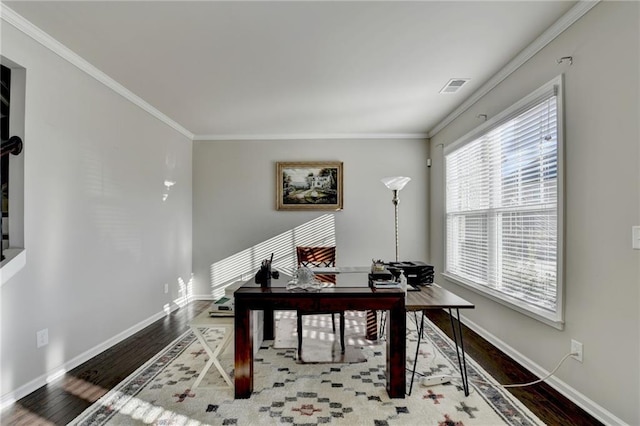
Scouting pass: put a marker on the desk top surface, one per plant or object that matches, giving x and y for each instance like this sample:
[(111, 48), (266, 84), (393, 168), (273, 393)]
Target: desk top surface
[(355, 282), (433, 296), (355, 279)]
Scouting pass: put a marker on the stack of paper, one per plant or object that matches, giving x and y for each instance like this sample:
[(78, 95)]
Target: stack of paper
[(222, 307), (385, 284)]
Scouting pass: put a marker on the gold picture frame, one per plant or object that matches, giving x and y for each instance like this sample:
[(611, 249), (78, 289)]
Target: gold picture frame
[(309, 185)]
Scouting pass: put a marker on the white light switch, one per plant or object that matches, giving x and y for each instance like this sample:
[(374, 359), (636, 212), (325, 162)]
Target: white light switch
[(635, 232)]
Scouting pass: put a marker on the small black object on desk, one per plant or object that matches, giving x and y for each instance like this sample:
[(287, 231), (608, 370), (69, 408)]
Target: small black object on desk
[(264, 274)]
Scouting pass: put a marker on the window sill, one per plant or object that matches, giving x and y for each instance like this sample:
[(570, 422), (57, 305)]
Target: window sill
[(538, 314), (15, 260)]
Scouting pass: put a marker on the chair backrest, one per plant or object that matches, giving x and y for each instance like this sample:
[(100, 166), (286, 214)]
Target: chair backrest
[(318, 256)]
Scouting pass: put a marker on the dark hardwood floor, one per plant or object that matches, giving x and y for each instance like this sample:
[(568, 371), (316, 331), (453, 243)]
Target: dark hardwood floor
[(544, 401), (61, 401)]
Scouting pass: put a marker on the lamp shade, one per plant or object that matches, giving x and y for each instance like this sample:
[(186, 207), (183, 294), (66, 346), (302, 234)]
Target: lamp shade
[(395, 182)]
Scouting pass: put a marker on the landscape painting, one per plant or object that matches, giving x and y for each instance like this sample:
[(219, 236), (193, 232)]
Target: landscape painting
[(309, 185)]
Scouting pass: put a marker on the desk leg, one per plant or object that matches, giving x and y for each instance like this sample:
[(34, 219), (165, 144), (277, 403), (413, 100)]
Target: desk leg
[(269, 325), (396, 351), (420, 329), (462, 362), (243, 373)]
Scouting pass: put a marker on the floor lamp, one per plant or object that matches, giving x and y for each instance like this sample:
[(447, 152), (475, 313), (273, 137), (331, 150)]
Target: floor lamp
[(396, 183)]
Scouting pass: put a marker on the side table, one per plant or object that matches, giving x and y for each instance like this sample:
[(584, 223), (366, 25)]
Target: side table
[(206, 321)]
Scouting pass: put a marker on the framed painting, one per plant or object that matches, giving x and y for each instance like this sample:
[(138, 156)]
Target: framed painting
[(309, 185)]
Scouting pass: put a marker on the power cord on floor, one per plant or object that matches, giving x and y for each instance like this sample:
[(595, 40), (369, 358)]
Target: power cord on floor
[(514, 385), (545, 377)]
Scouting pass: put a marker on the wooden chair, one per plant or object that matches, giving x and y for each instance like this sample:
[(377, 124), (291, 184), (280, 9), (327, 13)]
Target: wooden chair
[(319, 257)]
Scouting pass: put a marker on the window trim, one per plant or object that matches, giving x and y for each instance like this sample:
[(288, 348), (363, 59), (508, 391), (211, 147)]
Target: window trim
[(554, 319), (15, 260)]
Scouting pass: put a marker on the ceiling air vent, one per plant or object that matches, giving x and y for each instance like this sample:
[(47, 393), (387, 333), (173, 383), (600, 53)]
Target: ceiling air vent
[(453, 85)]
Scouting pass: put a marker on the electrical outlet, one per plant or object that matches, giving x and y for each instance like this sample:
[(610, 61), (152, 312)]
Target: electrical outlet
[(635, 237), (42, 338), (166, 288), (576, 350)]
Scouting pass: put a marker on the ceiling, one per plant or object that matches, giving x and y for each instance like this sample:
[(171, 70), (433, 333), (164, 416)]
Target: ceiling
[(265, 69)]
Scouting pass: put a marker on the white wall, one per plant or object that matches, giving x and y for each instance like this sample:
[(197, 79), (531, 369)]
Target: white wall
[(602, 199), (100, 241), (234, 207)]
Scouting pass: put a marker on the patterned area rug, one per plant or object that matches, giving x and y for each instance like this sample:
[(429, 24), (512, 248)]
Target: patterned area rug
[(287, 392)]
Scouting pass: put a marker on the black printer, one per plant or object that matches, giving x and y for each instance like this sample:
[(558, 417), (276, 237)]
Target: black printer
[(417, 272)]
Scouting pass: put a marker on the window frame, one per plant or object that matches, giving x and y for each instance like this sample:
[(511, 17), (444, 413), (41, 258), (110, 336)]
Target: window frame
[(554, 319)]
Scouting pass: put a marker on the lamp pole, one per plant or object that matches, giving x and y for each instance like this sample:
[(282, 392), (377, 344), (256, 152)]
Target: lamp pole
[(396, 201), (396, 183)]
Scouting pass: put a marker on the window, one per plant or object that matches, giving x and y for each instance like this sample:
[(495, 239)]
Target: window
[(12, 108), (503, 207)]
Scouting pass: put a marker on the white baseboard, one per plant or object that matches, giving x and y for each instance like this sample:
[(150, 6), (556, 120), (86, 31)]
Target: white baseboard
[(576, 397), (11, 397)]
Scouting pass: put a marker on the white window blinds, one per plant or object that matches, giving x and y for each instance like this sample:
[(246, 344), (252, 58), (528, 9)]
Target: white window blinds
[(502, 206)]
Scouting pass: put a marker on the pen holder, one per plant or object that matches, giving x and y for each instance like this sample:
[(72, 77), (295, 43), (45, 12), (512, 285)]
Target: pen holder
[(263, 276)]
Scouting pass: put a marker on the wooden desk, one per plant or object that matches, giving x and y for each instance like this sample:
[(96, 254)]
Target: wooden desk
[(435, 297), (350, 293)]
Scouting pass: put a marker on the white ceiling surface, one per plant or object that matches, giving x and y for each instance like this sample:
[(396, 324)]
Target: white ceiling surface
[(240, 69)]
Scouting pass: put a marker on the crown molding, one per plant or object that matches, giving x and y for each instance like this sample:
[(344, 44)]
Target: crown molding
[(270, 137), (20, 23), (11, 17), (558, 27)]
